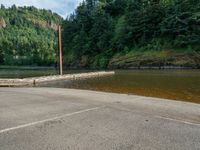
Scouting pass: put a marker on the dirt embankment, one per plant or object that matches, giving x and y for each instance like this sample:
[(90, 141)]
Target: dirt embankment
[(153, 59)]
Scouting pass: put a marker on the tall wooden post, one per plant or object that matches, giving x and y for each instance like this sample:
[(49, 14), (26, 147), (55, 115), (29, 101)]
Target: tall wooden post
[(60, 50)]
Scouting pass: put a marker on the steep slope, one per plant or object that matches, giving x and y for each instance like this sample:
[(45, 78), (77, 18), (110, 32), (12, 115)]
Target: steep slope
[(28, 36), (133, 33)]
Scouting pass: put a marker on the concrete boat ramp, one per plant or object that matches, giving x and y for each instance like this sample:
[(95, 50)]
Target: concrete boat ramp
[(36, 80), (68, 119)]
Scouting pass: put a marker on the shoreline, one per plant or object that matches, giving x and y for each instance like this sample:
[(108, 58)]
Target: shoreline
[(158, 68), (96, 69)]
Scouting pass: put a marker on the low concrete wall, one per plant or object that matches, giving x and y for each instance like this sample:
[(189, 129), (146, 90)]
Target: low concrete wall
[(35, 80)]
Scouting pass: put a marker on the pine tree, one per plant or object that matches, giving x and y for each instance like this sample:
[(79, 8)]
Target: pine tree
[(91, 3)]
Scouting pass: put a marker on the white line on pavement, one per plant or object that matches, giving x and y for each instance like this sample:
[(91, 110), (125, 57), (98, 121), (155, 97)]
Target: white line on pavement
[(50, 119), (160, 117), (178, 120)]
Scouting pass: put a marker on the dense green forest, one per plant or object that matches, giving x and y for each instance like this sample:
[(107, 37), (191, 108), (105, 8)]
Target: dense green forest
[(104, 34), (28, 36), (132, 33)]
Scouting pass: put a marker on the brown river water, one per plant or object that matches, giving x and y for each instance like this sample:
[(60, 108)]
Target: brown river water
[(183, 85)]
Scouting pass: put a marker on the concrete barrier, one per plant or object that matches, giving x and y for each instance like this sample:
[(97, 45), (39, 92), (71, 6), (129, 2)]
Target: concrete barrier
[(33, 81)]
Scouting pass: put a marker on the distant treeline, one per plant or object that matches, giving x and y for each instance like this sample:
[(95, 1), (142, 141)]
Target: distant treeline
[(27, 36), (105, 33)]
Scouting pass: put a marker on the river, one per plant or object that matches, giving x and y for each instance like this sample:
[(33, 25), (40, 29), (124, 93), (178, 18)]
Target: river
[(181, 85)]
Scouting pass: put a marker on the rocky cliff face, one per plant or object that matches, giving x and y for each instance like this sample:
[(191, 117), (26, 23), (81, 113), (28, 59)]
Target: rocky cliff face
[(2, 23), (44, 23)]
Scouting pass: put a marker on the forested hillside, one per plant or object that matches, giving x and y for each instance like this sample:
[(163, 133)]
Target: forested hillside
[(104, 33), (133, 33), (28, 36)]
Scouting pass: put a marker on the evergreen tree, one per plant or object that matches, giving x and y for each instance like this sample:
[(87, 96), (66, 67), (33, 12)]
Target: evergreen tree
[(100, 29), (28, 38)]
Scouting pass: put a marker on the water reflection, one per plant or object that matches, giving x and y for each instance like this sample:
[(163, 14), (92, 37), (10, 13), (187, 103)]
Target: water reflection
[(172, 84)]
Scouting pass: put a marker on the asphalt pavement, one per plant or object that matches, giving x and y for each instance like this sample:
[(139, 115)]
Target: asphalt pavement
[(68, 119)]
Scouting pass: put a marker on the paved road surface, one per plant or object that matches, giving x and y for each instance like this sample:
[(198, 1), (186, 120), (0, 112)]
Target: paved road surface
[(66, 119)]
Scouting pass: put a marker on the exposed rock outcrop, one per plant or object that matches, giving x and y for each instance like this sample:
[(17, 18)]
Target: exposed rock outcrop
[(44, 23), (2, 23)]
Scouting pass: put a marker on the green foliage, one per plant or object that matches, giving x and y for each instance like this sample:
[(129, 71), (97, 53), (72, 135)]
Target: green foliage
[(155, 44), (98, 30), (29, 37), (122, 26), (182, 23)]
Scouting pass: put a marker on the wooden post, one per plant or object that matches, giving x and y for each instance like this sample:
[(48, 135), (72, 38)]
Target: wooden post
[(60, 50)]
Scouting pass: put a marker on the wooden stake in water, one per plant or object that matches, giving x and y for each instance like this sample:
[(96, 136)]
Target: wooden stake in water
[(60, 49)]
